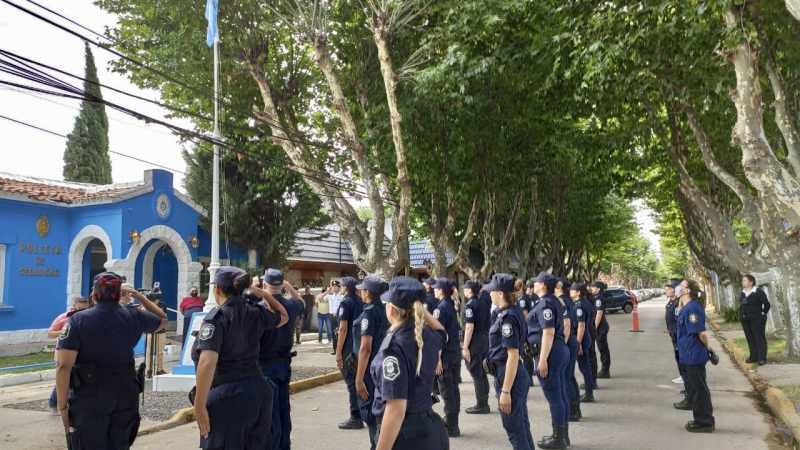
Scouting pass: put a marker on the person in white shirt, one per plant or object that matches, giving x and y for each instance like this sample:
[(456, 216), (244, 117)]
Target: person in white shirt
[(334, 298)]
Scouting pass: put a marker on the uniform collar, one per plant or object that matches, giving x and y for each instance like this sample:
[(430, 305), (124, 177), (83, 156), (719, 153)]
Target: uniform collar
[(232, 301), (751, 291), (108, 305)]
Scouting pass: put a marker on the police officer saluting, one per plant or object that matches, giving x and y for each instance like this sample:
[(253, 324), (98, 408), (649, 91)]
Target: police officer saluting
[(445, 313), (350, 308), (403, 372), (96, 383), (600, 322), (233, 400), (506, 338), (369, 329), (275, 356), (476, 345), (550, 356)]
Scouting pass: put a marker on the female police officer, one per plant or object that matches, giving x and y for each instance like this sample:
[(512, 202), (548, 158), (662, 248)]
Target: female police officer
[(233, 400), (476, 345), (571, 330), (403, 372), (95, 368), (368, 332), (694, 351), (583, 316), (506, 337), (551, 355), (450, 361)]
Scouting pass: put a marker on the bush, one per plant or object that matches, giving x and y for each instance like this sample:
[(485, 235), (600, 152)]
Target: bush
[(730, 314)]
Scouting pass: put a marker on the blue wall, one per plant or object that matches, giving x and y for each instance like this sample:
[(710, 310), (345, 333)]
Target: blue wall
[(165, 271)]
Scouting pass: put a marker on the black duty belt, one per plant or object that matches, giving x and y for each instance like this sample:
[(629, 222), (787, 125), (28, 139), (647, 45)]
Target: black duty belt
[(250, 372), (428, 413), (89, 374), (557, 342), (271, 359)]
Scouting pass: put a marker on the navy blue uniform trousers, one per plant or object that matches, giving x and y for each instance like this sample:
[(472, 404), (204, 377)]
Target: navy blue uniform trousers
[(240, 414), (554, 386), (573, 389), (423, 431), (366, 410), (448, 382), (687, 384), (280, 373), (517, 424), (105, 416), (583, 362), (352, 395)]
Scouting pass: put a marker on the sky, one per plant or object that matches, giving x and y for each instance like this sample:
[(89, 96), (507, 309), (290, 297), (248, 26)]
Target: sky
[(35, 153)]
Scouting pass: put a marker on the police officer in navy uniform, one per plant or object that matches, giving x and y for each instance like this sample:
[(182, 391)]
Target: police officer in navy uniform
[(476, 345), (694, 351), (96, 384), (600, 322), (550, 356), (430, 297), (449, 363), (526, 302), (506, 338), (404, 370), (673, 289), (583, 316), (349, 310), (275, 356), (571, 330), (233, 400), (369, 329)]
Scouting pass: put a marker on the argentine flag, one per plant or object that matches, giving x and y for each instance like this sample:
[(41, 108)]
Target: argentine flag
[(211, 16)]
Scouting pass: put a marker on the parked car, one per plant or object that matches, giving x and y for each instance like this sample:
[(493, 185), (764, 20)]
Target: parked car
[(617, 298)]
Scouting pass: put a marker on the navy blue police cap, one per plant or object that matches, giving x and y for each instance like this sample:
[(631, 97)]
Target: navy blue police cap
[(430, 281), (599, 284), (226, 275), (444, 284), (372, 284), (273, 277), (403, 292), (350, 283), (530, 283), (673, 283), (578, 287), (500, 282), (565, 284), (103, 284), (547, 279), (473, 285)]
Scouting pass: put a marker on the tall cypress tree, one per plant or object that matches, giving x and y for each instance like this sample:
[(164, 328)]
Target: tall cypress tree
[(86, 157)]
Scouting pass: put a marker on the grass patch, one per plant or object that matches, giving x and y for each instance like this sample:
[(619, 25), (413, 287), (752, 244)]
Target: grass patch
[(23, 360), (729, 326), (792, 391), (775, 350)]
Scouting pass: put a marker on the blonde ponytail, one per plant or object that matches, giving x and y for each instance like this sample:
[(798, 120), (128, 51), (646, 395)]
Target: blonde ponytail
[(419, 321)]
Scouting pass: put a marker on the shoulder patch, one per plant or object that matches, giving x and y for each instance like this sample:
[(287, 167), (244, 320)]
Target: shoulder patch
[(693, 318), (468, 312), (391, 368), (507, 330), (341, 311), (579, 312), (436, 313), (364, 324), (65, 332), (547, 314), (522, 304), (206, 331), (598, 303)]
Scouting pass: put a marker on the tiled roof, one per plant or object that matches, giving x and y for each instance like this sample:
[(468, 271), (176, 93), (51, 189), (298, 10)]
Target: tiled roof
[(41, 189), (422, 250), (324, 245)]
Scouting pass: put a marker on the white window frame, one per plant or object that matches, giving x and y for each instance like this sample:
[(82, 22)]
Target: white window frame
[(2, 270)]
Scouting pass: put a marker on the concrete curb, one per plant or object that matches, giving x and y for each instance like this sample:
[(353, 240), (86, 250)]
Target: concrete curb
[(780, 405), (186, 415)]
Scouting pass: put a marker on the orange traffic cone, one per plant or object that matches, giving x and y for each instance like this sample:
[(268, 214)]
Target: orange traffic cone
[(636, 320)]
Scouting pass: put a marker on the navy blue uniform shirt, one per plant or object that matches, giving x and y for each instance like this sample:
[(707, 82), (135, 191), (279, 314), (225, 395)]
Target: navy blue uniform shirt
[(692, 320), (107, 333), (589, 307), (547, 313), (569, 313), (508, 331), (430, 301), (477, 313), (600, 305), (445, 313), (671, 315), (524, 302), (394, 369), (277, 343), (371, 322), (583, 313), (229, 330), (349, 310)]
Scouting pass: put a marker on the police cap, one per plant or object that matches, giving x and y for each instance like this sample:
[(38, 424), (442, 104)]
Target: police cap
[(273, 277), (226, 275), (578, 287), (599, 284), (500, 282), (473, 285), (430, 281), (350, 283), (403, 292), (547, 279), (372, 284), (444, 284)]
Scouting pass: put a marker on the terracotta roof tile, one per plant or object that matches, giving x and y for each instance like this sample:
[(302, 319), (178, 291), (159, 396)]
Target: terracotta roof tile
[(62, 192)]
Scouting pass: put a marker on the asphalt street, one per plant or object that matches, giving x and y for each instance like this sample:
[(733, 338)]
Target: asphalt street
[(633, 409)]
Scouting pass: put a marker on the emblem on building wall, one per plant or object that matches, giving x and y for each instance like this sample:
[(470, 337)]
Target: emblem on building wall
[(43, 226)]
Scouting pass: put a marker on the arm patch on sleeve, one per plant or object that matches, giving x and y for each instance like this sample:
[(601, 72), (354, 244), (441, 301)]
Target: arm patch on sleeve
[(391, 368)]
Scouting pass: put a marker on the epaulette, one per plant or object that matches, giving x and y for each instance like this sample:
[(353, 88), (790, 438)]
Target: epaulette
[(71, 313), (211, 314), (502, 314)]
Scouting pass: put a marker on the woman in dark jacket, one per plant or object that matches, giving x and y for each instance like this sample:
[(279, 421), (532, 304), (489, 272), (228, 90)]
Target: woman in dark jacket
[(753, 309)]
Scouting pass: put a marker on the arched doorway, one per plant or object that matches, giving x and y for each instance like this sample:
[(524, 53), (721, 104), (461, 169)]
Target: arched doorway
[(85, 254), (159, 264), (94, 260)]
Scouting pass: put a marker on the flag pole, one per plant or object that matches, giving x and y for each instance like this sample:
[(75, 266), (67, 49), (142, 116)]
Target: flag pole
[(211, 302)]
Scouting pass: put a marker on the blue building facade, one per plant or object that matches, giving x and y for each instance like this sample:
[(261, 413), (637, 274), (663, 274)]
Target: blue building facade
[(55, 236)]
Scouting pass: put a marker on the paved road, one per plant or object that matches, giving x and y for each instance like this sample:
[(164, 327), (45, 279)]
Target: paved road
[(633, 409)]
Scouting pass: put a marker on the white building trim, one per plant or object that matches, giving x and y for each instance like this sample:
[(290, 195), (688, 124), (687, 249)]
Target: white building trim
[(76, 251)]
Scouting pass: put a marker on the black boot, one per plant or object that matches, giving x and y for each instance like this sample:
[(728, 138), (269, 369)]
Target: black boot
[(451, 420), (481, 408), (556, 441), (566, 433), (684, 405), (353, 423), (580, 413), (573, 412), (588, 397)]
